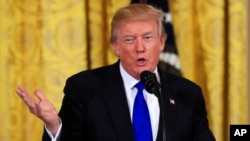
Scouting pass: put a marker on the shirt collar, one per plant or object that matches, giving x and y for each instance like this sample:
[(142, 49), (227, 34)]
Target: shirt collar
[(130, 81)]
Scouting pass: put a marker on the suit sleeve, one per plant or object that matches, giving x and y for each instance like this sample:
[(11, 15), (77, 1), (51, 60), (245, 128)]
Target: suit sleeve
[(71, 114), (201, 129)]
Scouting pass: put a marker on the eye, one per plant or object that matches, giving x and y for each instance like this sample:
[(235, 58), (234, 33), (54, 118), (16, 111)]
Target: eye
[(148, 37), (129, 40)]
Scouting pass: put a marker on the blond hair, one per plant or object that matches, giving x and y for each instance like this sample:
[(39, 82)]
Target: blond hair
[(136, 12)]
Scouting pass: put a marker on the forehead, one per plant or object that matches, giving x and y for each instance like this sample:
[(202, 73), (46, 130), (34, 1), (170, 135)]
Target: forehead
[(138, 26)]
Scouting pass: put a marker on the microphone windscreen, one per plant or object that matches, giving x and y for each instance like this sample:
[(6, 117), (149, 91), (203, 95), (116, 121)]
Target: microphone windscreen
[(147, 78)]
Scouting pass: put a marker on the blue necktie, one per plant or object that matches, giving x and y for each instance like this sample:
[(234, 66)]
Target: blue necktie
[(141, 118)]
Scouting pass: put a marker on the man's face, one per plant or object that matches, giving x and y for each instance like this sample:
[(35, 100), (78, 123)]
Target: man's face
[(138, 46)]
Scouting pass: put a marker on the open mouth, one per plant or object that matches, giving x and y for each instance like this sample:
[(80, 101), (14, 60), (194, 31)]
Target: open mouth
[(141, 61)]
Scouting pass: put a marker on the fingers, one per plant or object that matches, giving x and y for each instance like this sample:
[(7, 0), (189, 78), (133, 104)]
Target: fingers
[(21, 91), (40, 95), (27, 99), (37, 109), (24, 95)]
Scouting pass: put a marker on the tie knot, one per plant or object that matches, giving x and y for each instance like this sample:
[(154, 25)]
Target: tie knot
[(139, 86)]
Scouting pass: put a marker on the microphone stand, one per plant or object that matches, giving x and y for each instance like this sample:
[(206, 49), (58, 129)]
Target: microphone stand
[(156, 91), (152, 86)]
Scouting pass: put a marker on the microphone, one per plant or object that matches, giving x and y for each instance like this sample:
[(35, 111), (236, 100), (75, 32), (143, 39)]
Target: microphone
[(152, 86), (150, 82)]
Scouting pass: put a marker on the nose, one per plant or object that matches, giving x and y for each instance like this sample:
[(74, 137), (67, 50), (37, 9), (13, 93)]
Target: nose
[(140, 47)]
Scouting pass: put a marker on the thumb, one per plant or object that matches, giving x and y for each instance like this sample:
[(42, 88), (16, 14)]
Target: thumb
[(40, 95)]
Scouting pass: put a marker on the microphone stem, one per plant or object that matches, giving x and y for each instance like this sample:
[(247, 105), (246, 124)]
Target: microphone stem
[(152, 86), (162, 112)]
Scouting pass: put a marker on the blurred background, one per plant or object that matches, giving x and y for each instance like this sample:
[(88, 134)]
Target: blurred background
[(43, 42)]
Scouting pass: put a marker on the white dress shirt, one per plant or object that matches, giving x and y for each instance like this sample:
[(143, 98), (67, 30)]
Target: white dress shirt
[(151, 100)]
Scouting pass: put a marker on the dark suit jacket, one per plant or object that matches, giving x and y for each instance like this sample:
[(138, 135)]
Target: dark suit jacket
[(95, 108)]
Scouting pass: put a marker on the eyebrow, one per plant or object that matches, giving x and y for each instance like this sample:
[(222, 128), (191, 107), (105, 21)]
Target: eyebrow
[(150, 32), (130, 35)]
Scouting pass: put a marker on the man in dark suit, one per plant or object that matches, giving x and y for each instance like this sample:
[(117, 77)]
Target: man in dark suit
[(98, 104)]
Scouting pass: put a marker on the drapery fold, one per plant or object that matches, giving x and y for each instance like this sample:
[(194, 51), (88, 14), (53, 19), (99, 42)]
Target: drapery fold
[(44, 42), (211, 41)]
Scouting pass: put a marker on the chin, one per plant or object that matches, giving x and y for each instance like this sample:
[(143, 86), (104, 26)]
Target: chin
[(143, 69)]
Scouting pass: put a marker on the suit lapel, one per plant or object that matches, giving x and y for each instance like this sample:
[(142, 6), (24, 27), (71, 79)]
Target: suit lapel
[(115, 98), (170, 107)]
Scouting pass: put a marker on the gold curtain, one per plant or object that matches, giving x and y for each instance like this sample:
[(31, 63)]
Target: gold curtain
[(44, 42), (41, 44), (211, 41)]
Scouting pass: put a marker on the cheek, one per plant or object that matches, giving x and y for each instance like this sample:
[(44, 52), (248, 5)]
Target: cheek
[(157, 47), (125, 51)]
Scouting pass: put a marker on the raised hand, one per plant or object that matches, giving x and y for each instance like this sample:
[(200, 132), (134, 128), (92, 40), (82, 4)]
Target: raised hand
[(41, 108)]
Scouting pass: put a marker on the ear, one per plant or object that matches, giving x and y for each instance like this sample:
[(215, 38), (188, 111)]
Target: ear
[(163, 40), (116, 49)]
